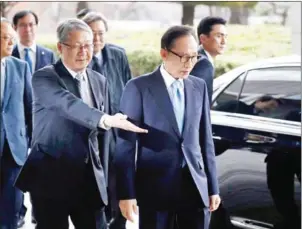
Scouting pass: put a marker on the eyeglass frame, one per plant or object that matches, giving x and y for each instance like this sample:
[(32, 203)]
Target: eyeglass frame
[(9, 38), (181, 57), (30, 25), (78, 47)]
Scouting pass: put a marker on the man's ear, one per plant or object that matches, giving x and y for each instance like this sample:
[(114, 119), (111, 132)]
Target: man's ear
[(59, 47), (163, 54), (202, 38)]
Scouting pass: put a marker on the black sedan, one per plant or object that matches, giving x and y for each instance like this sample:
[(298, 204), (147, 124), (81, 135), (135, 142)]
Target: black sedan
[(256, 120)]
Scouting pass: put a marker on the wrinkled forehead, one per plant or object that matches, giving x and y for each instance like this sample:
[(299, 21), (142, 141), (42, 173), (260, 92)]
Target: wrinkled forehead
[(79, 36), (185, 45)]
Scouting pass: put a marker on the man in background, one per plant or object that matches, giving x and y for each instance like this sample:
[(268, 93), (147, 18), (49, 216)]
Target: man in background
[(212, 36), (111, 62), (16, 125)]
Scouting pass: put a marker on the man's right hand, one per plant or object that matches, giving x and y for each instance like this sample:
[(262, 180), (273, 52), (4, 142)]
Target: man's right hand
[(120, 121), (127, 208)]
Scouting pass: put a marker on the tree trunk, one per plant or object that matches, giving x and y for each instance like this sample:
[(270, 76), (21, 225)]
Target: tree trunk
[(211, 10), (187, 14), (239, 15), (81, 5)]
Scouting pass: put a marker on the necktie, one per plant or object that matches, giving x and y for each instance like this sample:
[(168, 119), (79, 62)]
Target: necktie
[(82, 85), (97, 65), (178, 104), (28, 59)]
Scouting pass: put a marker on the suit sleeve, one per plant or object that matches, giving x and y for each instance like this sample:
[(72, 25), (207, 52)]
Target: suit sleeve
[(51, 95), (124, 158), (27, 97), (204, 70), (126, 68), (207, 145)]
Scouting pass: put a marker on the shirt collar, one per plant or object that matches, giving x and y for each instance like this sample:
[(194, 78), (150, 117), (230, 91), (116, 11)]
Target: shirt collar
[(209, 57), (3, 61), (21, 47), (169, 80), (74, 74)]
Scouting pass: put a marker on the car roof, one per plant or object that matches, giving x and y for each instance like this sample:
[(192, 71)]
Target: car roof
[(292, 60)]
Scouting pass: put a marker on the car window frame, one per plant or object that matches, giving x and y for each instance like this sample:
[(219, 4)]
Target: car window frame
[(265, 119)]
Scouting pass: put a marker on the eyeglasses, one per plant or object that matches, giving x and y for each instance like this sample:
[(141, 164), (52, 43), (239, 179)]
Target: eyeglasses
[(78, 47), (185, 58), (30, 25), (8, 38)]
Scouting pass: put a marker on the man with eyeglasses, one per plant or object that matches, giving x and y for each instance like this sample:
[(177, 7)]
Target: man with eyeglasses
[(15, 125), (111, 62), (66, 171), (212, 37), (25, 23), (170, 172)]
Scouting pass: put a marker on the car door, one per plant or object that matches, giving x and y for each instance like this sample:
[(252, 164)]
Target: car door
[(256, 124)]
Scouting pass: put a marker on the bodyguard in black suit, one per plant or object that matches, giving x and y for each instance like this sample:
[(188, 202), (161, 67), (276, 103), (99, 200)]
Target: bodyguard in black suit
[(212, 39), (66, 171), (111, 61)]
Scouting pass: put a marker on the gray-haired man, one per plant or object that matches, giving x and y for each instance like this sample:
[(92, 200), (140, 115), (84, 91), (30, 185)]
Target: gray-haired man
[(65, 171)]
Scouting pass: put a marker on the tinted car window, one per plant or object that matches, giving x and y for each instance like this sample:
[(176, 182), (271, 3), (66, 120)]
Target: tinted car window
[(271, 92), (226, 101)]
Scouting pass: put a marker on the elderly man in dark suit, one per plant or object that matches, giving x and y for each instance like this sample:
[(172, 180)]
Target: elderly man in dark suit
[(15, 127), (66, 171), (171, 171), (111, 61), (212, 36), (25, 23)]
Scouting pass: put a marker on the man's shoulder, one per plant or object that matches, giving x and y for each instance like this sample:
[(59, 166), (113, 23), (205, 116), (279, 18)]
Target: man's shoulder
[(15, 61), (204, 61), (143, 81), (116, 47), (45, 49)]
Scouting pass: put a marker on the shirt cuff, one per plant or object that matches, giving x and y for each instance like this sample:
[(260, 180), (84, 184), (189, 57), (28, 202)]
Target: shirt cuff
[(102, 122)]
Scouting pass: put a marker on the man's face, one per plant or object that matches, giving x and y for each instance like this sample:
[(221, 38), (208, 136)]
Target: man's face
[(181, 58), (76, 52), (267, 106), (215, 42), (8, 37), (99, 35), (26, 29)]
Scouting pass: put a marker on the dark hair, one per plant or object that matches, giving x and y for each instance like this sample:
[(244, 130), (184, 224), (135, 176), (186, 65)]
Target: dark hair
[(22, 14), (267, 98), (83, 13), (175, 32), (206, 24)]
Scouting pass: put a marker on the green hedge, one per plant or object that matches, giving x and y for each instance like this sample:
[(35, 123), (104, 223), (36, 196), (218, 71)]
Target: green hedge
[(245, 44)]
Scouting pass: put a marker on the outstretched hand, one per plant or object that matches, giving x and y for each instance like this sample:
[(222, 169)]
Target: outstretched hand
[(120, 121)]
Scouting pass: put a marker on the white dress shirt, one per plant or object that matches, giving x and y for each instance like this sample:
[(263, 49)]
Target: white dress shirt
[(32, 54), (90, 100), (169, 80)]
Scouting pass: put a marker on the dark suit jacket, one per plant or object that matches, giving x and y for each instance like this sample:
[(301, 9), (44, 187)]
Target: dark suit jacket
[(116, 69), (204, 69), (16, 109), (64, 135), (44, 56), (157, 177)]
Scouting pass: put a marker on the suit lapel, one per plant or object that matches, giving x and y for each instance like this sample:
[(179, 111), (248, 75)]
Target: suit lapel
[(189, 101), (38, 58), (66, 79), (161, 96), (93, 83), (10, 79)]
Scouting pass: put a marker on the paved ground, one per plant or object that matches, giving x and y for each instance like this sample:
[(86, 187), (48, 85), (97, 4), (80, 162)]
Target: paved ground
[(29, 225)]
